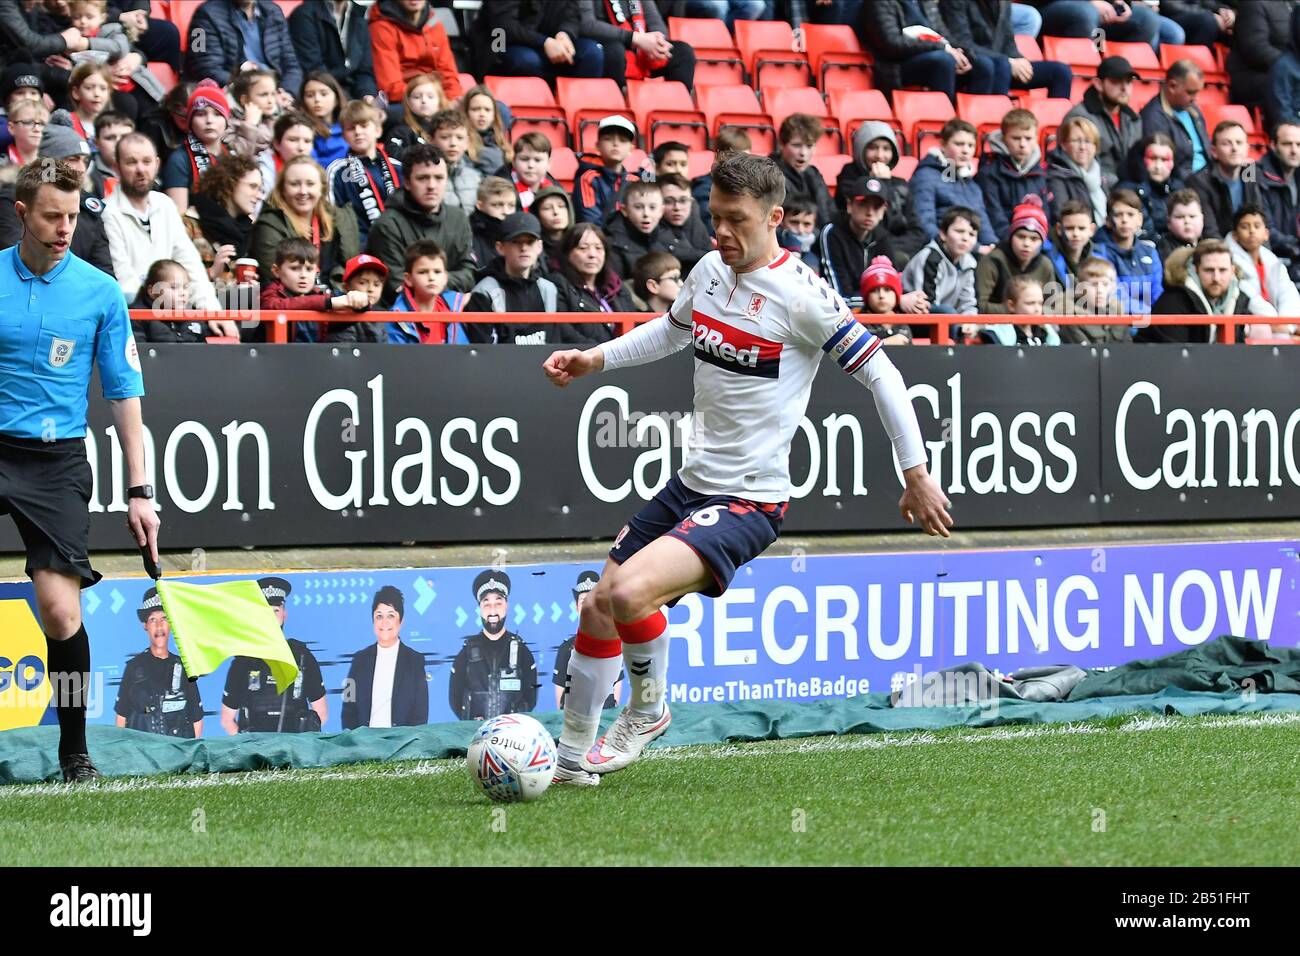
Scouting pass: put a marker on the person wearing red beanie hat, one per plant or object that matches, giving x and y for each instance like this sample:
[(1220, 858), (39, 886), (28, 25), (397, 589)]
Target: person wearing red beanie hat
[(1019, 254), (879, 279), (208, 115)]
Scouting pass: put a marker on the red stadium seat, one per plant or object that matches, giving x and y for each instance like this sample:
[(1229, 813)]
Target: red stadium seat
[(1212, 95), (767, 47), (1028, 47), (1202, 56), (921, 112), (1078, 52), (288, 6), (180, 12), (564, 166), (829, 165), (520, 90), (737, 106), (1216, 114), (699, 164), (665, 112), (533, 106), (467, 82), (782, 101), (1050, 113), (587, 102), (983, 112), (717, 61), (837, 59), (905, 166), (1140, 56), (855, 107), (1143, 92), (165, 74)]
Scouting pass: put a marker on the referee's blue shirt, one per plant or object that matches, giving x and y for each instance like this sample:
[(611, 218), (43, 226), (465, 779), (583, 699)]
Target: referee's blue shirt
[(52, 329)]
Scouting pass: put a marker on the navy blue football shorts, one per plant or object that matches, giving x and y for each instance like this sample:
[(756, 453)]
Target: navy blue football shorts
[(725, 531)]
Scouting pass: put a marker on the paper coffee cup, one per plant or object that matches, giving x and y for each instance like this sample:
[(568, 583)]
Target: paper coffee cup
[(245, 270)]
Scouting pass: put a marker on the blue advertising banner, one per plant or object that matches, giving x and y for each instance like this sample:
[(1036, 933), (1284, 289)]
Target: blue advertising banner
[(796, 628)]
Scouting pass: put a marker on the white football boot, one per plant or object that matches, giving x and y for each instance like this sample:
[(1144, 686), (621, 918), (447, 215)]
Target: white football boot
[(574, 776), (626, 738)]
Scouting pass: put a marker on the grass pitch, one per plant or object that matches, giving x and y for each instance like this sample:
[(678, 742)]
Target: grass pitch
[(1152, 791)]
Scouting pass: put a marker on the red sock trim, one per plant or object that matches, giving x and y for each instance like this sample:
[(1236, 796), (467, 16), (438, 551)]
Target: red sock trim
[(644, 630), (597, 647)]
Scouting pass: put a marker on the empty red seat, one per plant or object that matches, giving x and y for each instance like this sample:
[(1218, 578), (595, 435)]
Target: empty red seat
[(737, 106), (920, 113), (905, 166), (564, 166), (701, 32), (587, 102), (520, 90), (829, 165), (664, 112), (855, 107), (699, 164), (983, 112), (1078, 52), (467, 82), (1202, 56), (768, 49), (836, 57), (1028, 47), (1050, 112), (1140, 56), (533, 106), (717, 61)]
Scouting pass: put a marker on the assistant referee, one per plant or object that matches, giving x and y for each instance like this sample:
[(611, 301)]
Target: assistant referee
[(60, 317)]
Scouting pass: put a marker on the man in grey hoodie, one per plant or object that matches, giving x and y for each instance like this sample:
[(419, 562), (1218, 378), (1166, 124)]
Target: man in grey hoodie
[(875, 154)]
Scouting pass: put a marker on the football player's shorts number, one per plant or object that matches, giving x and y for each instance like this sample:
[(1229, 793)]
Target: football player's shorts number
[(707, 516)]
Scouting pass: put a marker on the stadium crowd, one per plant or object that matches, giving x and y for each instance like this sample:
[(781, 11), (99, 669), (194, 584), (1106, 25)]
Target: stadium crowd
[(354, 157)]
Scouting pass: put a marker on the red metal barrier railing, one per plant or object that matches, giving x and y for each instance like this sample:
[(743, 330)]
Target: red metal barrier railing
[(279, 325)]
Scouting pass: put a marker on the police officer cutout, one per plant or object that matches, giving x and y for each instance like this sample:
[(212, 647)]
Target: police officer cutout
[(494, 673), (59, 318), (156, 695), (252, 702), (586, 583)]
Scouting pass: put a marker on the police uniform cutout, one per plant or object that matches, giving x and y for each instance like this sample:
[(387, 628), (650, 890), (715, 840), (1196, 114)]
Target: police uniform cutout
[(586, 583), (156, 695), (492, 675)]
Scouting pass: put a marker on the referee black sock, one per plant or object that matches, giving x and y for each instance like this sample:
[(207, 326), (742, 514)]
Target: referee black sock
[(69, 666)]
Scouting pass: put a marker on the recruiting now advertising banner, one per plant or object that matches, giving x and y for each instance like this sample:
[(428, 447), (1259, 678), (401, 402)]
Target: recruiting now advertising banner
[(793, 628)]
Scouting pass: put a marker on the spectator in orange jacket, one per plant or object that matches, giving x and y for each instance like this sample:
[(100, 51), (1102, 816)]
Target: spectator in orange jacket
[(407, 40)]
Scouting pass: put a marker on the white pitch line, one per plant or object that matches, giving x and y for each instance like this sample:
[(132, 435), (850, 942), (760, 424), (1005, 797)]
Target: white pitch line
[(1140, 723)]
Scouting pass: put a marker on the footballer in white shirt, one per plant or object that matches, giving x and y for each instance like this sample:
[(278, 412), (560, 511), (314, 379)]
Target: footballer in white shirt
[(759, 322)]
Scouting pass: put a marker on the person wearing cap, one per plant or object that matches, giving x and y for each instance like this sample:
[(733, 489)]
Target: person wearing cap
[(494, 672), (541, 38), (253, 703), (417, 211), (1106, 104), (208, 116), (598, 187), (18, 82), (156, 695), (1019, 254), (386, 685), (89, 241), (882, 291), (875, 154), (513, 283), (365, 273), (587, 582), (848, 244), (238, 32)]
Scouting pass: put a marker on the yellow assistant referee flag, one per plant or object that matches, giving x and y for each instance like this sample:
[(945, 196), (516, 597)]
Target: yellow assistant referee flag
[(213, 622)]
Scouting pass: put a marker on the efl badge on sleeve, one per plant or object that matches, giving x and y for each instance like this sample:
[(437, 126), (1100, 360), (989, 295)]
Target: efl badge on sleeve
[(755, 304), (61, 352)]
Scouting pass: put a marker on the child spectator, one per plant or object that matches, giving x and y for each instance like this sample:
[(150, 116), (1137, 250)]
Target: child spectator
[(597, 190), (1094, 294), (1073, 171), (798, 229), (489, 146), (253, 118), (322, 103), (657, 280), (854, 238), (1024, 298), (423, 101), (1020, 254), (554, 210), (944, 178), (209, 120), (451, 135), (1074, 231), (297, 286), (113, 44), (365, 178), (511, 284), (882, 293), (671, 159), (1186, 224), (89, 89), (944, 269), (1266, 276), (875, 154), (799, 135), (293, 135), (27, 122), (682, 231), (110, 126), (496, 199), (590, 285), (366, 274), (407, 40), (166, 291), (1154, 182), (1136, 261), (1012, 168), (529, 168), (424, 289), (634, 231)]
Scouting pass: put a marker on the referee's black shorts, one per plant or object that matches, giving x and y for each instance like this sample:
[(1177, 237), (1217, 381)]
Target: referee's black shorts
[(46, 487)]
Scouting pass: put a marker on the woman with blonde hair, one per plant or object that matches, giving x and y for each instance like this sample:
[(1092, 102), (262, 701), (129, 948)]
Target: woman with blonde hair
[(1074, 172), (299, 206)]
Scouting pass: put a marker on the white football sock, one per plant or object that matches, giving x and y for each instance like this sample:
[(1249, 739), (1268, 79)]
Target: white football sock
[(590, 681)]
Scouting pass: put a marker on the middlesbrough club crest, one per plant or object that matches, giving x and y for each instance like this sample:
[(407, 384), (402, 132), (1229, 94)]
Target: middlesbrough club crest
[(755, 304)]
